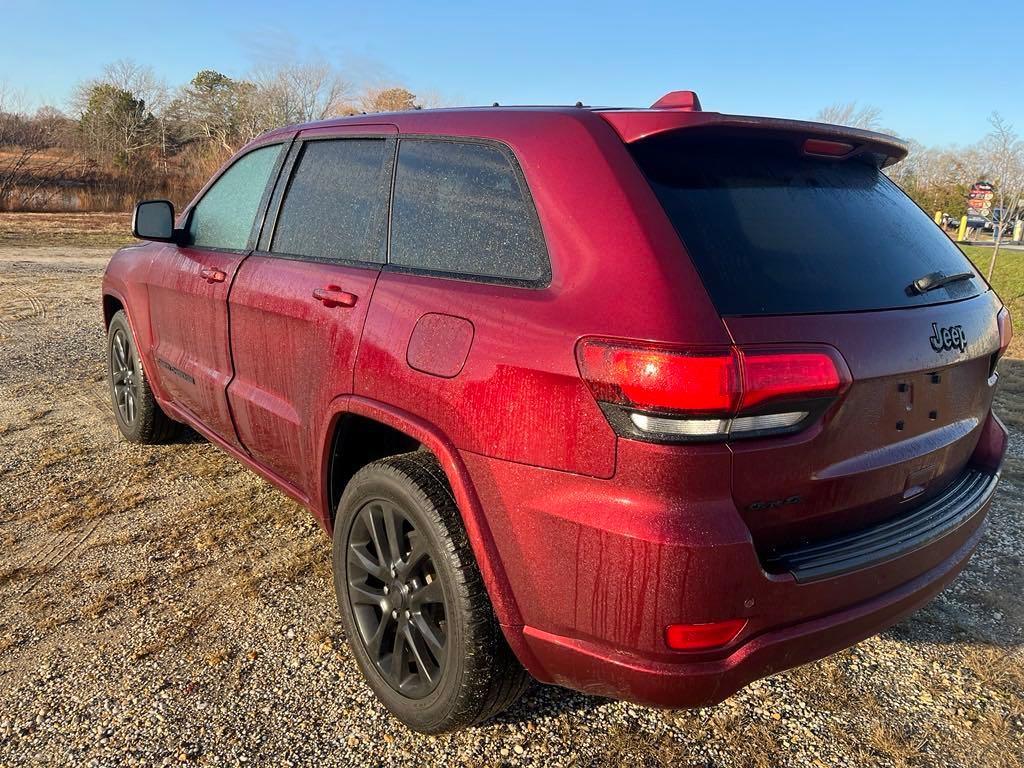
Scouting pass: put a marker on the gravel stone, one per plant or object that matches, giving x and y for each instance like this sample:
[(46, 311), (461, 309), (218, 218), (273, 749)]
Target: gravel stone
[(164, 606)]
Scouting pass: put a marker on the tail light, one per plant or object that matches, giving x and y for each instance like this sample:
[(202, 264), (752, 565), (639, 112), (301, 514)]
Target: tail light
[(667, 394), (1005, 332)]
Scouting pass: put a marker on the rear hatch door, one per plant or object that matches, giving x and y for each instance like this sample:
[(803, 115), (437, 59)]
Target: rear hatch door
[(797, 248)]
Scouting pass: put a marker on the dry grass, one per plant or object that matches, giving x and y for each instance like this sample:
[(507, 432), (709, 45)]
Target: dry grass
[(72, 229), (903, 746), (12, 574), (997, 668)]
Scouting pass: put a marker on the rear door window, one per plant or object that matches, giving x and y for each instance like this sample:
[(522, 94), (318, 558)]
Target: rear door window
[(774, 232), (462, 208), (335, 204)]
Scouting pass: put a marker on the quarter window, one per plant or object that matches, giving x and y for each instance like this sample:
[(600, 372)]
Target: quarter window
[(224, 217), (336, 201), (461, 208)]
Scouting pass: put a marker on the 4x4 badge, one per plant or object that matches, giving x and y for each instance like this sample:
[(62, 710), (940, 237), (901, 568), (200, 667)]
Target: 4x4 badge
[(948, 338)]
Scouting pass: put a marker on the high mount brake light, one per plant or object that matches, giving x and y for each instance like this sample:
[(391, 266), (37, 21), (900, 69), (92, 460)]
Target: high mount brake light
[(825, 148), (664, 394)]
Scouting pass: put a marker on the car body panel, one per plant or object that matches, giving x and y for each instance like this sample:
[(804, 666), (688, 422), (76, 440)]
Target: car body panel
[(292, 356), (909, 422), (189, 319)]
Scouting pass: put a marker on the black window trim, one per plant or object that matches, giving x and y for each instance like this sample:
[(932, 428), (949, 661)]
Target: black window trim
[(540, 283), (261, 209), (264, 243)]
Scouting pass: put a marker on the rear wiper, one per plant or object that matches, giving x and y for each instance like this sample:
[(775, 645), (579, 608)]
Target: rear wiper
[(935, 280)]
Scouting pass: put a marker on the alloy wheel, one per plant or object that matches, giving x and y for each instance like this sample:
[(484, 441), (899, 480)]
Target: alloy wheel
[(396, 598), (124, 375)]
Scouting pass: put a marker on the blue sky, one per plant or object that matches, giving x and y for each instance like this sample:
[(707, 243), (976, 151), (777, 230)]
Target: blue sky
[(936, 69)]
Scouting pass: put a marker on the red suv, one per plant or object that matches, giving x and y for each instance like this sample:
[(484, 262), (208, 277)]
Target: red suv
[(648, 403)]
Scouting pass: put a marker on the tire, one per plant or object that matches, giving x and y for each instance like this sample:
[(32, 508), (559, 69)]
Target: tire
[(136, 411), (476, 674)]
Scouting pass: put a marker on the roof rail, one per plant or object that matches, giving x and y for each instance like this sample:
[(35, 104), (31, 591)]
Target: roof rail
[(684, 100)]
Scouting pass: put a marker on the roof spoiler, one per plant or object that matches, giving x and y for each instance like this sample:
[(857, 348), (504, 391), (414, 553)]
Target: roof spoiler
[(638, 125), (685, 100)]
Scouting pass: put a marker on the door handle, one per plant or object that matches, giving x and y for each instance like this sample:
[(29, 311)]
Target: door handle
[(333, 296), (211, 275)]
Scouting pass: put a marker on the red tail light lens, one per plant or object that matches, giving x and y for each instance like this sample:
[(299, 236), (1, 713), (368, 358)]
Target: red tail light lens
[(771, 376), (1005, 331), (730, 390), (702, 637), (660, 379)]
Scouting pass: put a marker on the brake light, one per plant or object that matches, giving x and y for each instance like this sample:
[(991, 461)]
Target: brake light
[(663, 393), (827, 148), (655, 378), (702, 637), (1005, 331)]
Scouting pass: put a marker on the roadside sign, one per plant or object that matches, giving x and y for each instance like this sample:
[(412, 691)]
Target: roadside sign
[(979, 199)]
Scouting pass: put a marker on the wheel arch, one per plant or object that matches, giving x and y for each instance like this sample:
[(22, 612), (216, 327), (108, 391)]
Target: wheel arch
[(114, 300), (112, 303), (426, 435)]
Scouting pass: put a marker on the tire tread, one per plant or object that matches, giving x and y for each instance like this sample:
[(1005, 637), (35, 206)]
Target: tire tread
[(152, 426), (493, 677)]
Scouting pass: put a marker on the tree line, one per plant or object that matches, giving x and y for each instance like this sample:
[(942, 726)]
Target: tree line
[(940, 178), (127, 134)]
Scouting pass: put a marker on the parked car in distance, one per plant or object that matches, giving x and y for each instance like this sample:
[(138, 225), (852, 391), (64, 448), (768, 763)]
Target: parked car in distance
[(623, 400)]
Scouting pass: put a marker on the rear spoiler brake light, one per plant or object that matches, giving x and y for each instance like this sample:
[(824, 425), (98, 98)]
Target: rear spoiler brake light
[(637, 125)]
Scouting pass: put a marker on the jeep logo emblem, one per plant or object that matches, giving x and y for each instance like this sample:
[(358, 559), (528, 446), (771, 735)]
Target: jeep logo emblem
[(948, 338)]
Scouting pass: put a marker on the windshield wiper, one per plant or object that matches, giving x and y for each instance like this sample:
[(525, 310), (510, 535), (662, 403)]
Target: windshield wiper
[(935, 280)]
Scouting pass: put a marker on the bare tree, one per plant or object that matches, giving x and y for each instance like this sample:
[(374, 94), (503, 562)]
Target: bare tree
[(939, 178), (140, 81), (849, 114), (15, 163), (433, 99), (907, 171), (1004, 151), (25, 168), (298, 93)]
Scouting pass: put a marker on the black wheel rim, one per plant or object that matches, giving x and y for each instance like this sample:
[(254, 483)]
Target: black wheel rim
[(123, 375), (396, 598)]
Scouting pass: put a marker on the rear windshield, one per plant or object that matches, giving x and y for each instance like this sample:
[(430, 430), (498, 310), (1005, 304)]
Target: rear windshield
[(774, 232)]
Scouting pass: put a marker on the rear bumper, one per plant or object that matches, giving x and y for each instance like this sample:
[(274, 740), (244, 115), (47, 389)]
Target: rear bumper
[(592, 669), (891, 538), (599, 569)]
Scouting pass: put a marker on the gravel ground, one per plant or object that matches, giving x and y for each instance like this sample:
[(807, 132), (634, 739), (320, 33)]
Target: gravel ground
[(165, 606)]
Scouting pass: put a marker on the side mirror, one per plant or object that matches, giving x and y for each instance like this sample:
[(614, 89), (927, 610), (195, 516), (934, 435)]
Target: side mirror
[(154, 220)]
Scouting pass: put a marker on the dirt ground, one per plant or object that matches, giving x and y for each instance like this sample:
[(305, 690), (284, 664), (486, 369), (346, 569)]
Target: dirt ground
[(163, 605)]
